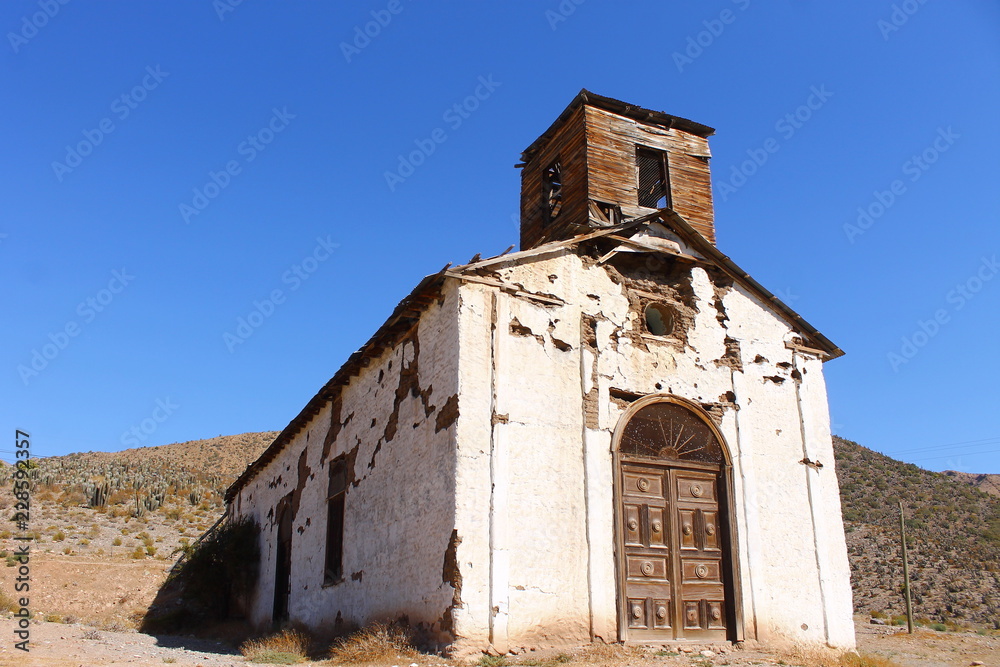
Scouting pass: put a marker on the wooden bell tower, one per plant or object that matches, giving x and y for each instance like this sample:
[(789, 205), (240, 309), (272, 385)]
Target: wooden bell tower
[(603, 161)]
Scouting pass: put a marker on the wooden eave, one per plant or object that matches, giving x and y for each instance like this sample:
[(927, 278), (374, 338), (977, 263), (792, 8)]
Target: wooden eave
[(585, 97), (401, 321)]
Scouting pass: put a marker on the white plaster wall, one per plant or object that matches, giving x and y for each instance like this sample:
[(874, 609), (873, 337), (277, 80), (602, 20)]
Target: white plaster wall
[(525, 475), (534, 492), (399, 513)]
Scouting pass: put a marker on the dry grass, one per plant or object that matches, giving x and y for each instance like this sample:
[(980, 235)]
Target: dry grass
[(866, 660), (7, 603), (376, 643), (285, 648), (828, 658)]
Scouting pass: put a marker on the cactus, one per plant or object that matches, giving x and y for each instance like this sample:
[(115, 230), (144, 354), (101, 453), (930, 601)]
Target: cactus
[(99, 495)]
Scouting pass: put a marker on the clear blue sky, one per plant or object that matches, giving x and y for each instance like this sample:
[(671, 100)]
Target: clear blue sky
[(115, 113)]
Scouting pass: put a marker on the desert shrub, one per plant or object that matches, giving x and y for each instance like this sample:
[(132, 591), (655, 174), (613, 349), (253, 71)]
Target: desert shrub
[(492, 661), (117, 542), (138, 553), (7, 603), (59, 536), (375, 643), (285, 648)]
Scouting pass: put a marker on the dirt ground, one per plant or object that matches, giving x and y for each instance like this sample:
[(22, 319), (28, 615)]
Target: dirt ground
[(73, 645), (85, 608)]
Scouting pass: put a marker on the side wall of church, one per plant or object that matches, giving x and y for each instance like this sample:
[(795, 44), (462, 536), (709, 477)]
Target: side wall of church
[(394, 425)]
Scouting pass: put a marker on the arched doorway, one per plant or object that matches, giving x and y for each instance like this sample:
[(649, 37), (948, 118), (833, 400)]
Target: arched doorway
[(674, 527)]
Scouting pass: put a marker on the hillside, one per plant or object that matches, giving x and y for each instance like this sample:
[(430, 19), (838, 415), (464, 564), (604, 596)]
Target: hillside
[(953, 532), (136, 504), (986, 483)]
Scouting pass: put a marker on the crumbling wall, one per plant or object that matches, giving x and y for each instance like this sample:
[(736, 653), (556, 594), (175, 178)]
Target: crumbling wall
[(543, 387), (394, 425)]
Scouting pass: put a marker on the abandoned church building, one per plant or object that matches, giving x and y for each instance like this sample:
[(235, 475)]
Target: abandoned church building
[(612, 434)]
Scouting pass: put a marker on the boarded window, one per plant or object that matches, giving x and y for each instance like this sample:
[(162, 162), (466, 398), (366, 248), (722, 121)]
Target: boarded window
[(552, 191), (335, 522), (654, 187)]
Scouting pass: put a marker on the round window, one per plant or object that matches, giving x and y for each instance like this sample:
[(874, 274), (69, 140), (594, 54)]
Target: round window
[(659, 319)]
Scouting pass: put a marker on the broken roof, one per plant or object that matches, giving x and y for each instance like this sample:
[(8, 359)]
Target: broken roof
[(620, 108), (408, 311)]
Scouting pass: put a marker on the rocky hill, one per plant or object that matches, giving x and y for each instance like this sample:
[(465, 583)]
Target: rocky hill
[(986, 483), (135, 504), (953, 535)]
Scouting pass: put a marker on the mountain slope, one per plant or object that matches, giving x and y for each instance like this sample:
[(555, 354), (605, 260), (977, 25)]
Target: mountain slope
[(953, 536)]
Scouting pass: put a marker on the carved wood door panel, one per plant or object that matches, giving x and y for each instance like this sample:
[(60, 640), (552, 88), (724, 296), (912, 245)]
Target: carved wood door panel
[(648, 565), (699, 562), (673, 559)]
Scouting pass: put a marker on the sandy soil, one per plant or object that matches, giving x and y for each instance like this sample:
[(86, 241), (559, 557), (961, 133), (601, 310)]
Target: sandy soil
[(73, 645), (85, 610)]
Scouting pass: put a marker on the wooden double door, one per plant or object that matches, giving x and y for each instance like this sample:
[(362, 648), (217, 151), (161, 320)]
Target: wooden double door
[(673, 564)]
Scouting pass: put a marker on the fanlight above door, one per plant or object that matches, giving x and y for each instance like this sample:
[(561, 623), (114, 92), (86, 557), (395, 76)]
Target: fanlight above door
[(666, 430)]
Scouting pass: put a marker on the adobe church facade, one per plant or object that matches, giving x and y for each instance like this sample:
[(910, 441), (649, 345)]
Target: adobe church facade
[(613, 434)]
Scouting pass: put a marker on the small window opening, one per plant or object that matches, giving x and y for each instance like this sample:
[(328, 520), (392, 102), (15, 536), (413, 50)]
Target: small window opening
[(552, 191), (654, 189), (335, 522), (659, 319)]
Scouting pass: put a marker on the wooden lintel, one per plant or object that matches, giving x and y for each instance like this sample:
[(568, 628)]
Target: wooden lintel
[(807, 350)]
